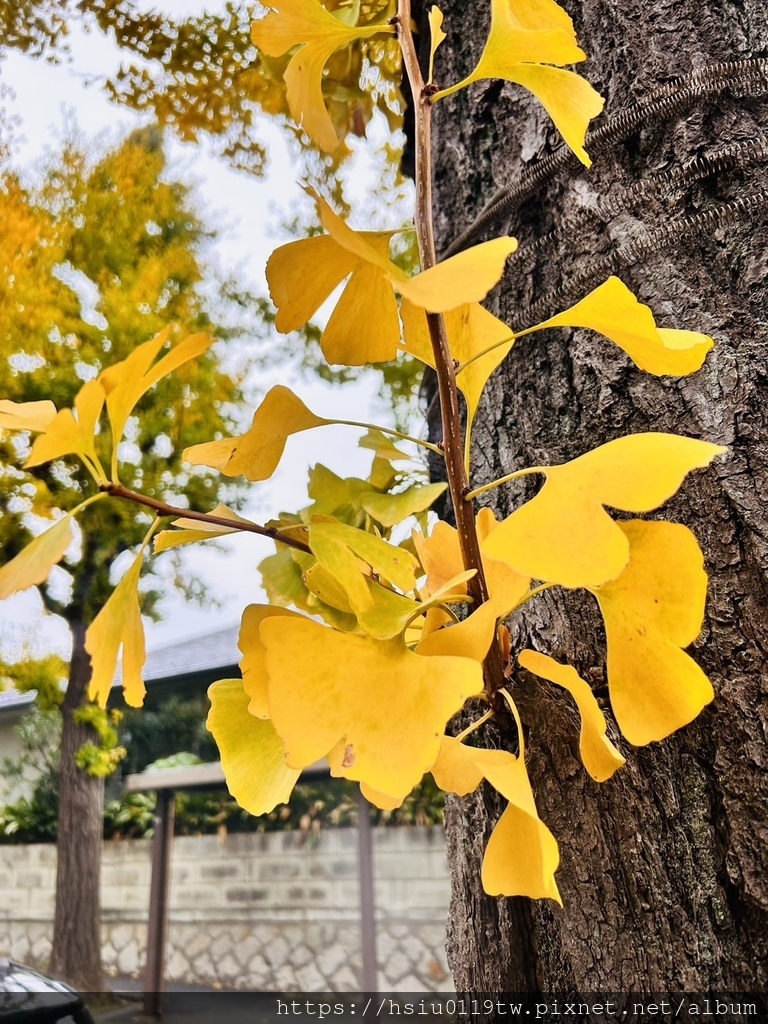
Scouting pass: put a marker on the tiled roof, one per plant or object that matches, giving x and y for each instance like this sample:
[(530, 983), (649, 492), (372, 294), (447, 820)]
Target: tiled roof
[(200, 653), (13, 699), (204, 652)]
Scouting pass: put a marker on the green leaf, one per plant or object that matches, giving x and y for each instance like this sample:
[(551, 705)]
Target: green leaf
[(391, 509)]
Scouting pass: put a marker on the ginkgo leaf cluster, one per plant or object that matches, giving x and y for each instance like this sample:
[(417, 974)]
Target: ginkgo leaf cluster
[(528, 46), (76, 432), (383, 625), (117, 218)]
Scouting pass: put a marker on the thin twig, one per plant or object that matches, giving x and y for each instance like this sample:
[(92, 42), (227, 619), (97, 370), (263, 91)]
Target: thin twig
[(163, 509)]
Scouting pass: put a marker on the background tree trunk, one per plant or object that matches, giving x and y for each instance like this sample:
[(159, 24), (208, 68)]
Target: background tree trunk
[(76, 954), (664, 869)]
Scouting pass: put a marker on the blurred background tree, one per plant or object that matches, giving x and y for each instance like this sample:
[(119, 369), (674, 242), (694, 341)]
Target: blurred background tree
[(201, 77), (98, 255)]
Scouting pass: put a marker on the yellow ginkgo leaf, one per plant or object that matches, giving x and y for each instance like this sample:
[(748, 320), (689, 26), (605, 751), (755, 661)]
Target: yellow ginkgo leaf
[(653, 609), (382, 476), (391, 509), (71, 432), (469, 638), (187, 531), (600, 756), (327, 588), (286, 578), (256, 453), (252, 664), (455, 770), (612, 310), (376, 709), (331, 494), (33, 416), (440, 556), (388, 614), (540, 16), (565, 536), (367, 307), (364, 327), (527, 35), (306, 24), (126, 382), (117, 625), (301, 276), (464, 278), (381, 800), (252, 755), (384, 447), (366, 246), (522, 856), (348, 554), (33, 564), (471, 330), (436, 37), (525, 39), (568, 98), (281, 578)]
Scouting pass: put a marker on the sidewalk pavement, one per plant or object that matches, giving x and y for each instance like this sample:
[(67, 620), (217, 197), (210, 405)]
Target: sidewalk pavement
[(198, 1004)]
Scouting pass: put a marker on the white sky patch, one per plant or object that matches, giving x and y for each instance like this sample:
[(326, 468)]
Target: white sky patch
[(248, 214), (86, 291)]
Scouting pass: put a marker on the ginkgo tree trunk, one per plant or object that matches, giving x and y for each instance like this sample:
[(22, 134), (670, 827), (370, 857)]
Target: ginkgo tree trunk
[(664, 868)]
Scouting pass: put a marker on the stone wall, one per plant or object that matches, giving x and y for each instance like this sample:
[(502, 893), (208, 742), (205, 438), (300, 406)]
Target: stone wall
[(278, 911)]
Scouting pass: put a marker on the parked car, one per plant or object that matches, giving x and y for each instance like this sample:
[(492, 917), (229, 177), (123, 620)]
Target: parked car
[(27, 997)]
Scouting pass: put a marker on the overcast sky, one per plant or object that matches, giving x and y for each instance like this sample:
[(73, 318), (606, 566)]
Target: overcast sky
[(239, 206)]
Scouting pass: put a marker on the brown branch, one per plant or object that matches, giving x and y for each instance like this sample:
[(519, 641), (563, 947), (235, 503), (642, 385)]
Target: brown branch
[(453, 442), (163, 509)]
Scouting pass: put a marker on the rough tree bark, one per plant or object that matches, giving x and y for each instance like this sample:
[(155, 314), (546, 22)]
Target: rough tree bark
[(664, 870), (76, 931)]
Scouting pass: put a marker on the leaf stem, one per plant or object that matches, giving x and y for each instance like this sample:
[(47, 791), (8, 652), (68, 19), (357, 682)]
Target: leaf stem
[(516, 715), (84, 504), (505, 480), (444, 605), (512, 337), (117, 490), (95, 469), (534, 592), (479, 355), (475, 725), (114, 466), (390, 430), (453, 442), (150, 533), (450, 90)]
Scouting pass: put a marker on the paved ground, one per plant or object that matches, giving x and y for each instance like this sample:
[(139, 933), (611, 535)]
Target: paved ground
[(192, 1004), (199, 1005), (203, 1007)]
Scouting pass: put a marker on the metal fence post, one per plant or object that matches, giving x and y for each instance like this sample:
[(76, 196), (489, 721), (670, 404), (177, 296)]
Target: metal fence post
[(367, 897), (157, 926)]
